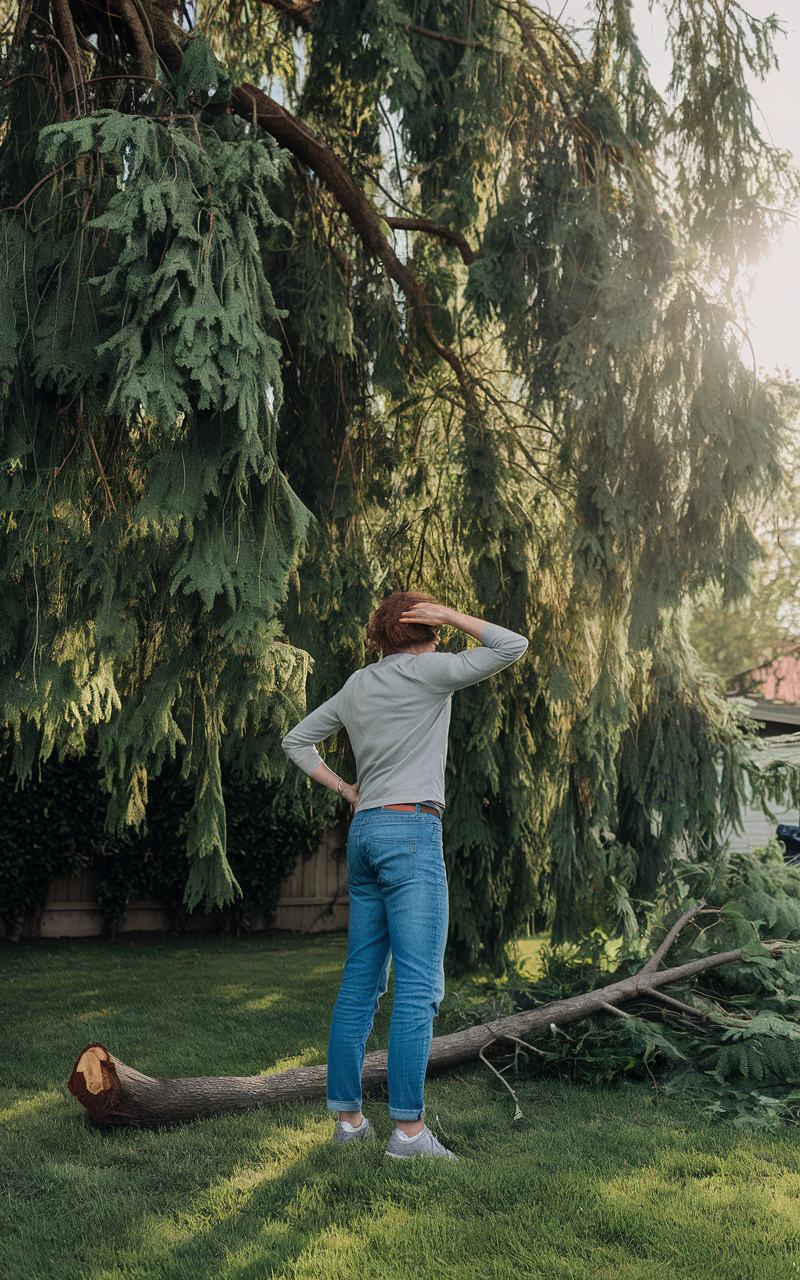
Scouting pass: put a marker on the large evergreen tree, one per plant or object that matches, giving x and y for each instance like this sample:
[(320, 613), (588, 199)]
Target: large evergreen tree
[(462, 288)]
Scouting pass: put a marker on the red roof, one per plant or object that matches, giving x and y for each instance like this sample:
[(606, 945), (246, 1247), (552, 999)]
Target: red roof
[(778, 681)]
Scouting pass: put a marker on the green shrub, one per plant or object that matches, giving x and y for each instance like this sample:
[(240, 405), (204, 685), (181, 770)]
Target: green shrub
[(51, 828), (55, 826)]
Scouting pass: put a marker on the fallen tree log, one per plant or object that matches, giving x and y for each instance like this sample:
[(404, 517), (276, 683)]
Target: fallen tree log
[(114, 1093)]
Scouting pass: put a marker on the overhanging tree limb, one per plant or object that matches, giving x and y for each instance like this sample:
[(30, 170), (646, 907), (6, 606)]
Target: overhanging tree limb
[(253, 104), (303, 11), (414, 30), (468, 254)]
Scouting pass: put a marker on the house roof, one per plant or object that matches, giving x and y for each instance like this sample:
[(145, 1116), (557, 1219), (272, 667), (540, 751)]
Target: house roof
[(773, 690), (776, 681), (774, 712), (778, 750)]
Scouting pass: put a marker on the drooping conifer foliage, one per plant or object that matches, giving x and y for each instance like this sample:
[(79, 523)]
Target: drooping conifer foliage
[(461, 287)]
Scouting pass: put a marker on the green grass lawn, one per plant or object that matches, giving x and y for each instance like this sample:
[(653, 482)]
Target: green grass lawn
[(528, 952), (593, 1183)]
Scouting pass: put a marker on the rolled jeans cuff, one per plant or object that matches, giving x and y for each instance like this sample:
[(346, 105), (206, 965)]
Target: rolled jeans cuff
[(406, 1115), (345, 1106)]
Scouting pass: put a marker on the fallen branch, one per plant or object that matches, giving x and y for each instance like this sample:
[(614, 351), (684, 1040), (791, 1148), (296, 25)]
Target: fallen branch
[(114, 1093), (517, 1108)]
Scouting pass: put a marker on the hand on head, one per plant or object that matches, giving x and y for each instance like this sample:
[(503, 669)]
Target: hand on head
[(427, 613)]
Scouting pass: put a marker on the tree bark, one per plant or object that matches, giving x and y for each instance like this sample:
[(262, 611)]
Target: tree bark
[(468, 254), (114, 1093)]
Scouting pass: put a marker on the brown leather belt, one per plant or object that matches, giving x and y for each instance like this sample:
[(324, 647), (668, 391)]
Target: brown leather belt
[(411, 808)]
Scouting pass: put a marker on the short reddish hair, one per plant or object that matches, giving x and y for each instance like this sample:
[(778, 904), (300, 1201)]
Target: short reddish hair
[(386, 632)]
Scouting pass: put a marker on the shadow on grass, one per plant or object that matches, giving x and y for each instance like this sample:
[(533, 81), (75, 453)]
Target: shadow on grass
[(594, 1185), (597, 1185)]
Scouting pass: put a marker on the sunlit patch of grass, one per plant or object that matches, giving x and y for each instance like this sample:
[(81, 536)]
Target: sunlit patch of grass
[(18, 1109), (527, 952), (263, 1002), (311, 1057), (591, 1185)]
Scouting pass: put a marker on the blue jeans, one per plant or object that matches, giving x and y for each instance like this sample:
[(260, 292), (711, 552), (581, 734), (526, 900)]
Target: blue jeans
[(398, 911)]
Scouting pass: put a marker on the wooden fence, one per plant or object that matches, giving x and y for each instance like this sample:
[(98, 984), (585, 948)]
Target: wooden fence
[(313, 900)]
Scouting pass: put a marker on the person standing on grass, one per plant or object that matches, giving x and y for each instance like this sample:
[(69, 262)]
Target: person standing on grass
[(397, 715)]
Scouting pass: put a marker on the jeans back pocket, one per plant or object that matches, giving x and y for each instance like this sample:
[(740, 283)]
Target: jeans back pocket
[(394, 860)]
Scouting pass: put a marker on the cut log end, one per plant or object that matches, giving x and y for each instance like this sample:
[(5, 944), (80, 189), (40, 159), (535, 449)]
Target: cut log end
[(94, 1083), (115, 1094)]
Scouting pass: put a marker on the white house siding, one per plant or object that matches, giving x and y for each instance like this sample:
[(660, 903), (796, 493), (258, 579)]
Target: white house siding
[(758, 828)]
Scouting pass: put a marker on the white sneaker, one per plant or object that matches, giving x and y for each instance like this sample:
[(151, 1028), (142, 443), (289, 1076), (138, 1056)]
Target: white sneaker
[(364, 1130), (423, 1143)]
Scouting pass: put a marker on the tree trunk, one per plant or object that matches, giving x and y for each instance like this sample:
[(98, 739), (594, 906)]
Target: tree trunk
[(114, 1093)]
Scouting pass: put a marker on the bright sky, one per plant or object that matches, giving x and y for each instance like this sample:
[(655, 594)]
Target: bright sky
[(774, 309)]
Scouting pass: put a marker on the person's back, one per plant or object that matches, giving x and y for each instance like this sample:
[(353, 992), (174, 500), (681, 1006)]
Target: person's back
[(397, 714)]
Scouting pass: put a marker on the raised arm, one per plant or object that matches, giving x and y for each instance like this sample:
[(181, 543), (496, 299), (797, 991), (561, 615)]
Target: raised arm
[(439, 615), (446, 672)]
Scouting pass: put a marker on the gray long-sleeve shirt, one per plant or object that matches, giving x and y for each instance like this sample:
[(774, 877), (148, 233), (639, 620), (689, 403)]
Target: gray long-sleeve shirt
[(397, 714)]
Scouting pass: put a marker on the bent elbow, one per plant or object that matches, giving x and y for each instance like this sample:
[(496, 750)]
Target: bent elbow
[(514, 647)]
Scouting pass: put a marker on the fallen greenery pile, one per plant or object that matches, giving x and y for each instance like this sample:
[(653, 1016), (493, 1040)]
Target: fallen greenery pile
[(738, 1056)]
